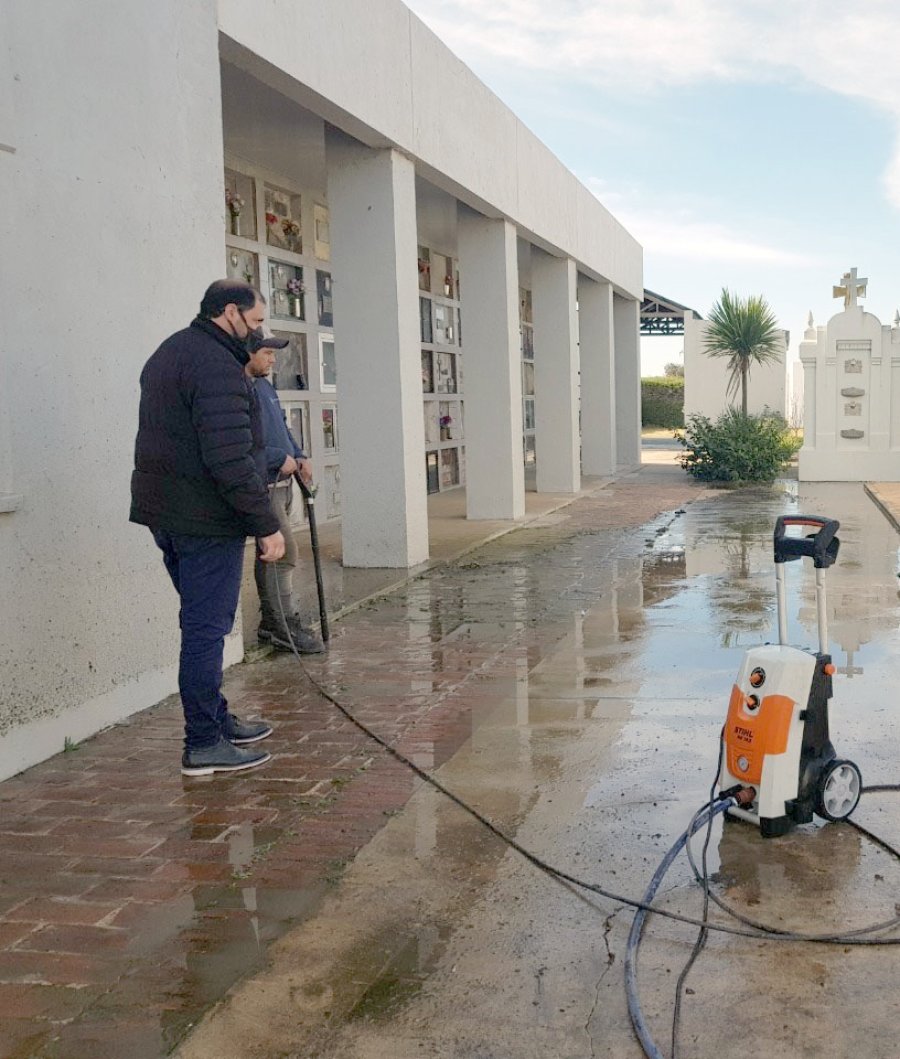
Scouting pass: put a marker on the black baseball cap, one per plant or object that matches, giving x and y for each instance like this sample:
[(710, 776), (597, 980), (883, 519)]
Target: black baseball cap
[(267, 342)]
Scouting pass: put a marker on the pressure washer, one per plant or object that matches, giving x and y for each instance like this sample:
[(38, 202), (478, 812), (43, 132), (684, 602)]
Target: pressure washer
[(776, 738)]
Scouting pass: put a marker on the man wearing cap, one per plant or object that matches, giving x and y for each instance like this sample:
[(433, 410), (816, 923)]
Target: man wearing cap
[(280, 624), (199, 484)]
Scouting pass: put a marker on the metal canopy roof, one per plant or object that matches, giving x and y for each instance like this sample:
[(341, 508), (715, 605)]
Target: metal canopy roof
[(662, 316)]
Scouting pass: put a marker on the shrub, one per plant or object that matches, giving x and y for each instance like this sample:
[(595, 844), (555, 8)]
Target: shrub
[(737, 447), (662, 402)]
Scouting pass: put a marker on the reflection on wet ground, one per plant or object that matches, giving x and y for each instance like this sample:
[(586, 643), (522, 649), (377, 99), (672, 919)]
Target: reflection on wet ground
[(570, 680), (593, 668)]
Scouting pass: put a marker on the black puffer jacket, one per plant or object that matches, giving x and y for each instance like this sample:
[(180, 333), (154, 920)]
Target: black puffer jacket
[(200, 461)]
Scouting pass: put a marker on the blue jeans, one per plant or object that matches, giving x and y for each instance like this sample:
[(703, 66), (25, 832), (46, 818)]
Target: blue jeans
[(206, 573)]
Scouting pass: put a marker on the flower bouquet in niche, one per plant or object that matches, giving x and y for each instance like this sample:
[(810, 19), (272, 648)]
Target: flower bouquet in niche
[(445, 423), (291, 235), (295, 290), (235, 205)]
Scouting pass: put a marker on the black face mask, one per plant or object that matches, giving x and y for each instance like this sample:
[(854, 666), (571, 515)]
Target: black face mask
[(253, 336)]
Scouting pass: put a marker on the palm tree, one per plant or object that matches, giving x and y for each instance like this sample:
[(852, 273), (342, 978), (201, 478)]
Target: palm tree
[(747, 333)]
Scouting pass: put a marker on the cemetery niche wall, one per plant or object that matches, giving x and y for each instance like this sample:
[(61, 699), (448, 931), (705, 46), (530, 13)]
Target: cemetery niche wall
[(851, 417)]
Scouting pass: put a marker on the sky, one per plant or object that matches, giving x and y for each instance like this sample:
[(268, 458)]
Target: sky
[(753, 145)]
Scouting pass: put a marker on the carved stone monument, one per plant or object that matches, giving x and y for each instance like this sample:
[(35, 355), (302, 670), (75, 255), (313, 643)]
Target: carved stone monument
[(851, 376)]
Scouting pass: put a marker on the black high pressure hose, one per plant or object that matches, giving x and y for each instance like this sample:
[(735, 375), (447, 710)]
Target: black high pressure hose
[(704, 816), (637, 926)]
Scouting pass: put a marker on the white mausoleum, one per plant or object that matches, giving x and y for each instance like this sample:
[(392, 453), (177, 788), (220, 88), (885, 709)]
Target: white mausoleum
[(457, 303), (851, 417)]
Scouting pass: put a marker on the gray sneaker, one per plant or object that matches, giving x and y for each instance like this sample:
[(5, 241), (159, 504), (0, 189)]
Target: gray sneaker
[(242, 732), (221, 757)]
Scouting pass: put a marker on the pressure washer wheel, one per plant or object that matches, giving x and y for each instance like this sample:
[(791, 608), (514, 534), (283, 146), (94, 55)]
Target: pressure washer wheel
[(838, 790)]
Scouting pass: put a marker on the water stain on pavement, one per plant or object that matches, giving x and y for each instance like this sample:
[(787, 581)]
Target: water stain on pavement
[(596, 665)]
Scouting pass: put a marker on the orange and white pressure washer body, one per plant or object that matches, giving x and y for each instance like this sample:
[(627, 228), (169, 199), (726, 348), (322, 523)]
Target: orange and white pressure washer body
[(776, 740)]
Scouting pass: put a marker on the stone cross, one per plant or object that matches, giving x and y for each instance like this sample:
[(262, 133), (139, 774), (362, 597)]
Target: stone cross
[(851, 288)]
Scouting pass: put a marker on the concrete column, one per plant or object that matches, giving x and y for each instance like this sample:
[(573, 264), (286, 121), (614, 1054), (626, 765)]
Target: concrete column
[(627, 322), (553, 283), (492, 362), (372, 202), (597, 346), (809, 402)]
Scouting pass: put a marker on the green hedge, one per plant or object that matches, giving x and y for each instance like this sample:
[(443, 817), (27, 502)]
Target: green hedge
[(737, 447), (662, 402)]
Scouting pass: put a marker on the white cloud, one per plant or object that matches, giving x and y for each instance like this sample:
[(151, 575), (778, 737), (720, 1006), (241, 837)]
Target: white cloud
[(646, 45), (679, 235)]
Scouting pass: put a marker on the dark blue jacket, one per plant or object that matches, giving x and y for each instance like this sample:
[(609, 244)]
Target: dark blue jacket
[(279, 440), (200, 462)]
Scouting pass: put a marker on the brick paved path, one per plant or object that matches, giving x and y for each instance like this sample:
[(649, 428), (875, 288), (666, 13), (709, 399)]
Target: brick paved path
[(132, 898)]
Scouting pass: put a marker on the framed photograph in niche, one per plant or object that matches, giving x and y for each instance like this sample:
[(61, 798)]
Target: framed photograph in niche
[(323, 298), (287, 294), (298, 421), (427, 371), (446, 373), (332, 491), (322, 233), (449, 468), (432, 472), (425, 328), (527, 343), (329, 427), (432, 428), (424, 268), (525, 313), (240, 204), (327, 362), (291, 363), (282, 216), (441, 323), (528, 378), (242, 264)]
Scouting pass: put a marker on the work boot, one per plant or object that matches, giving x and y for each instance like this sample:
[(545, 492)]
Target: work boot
[(221, 757), (242, 732), (280, 636)]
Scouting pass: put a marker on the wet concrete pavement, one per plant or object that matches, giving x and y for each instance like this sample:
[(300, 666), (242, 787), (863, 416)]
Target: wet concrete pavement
[(594, 737), (570, 681)]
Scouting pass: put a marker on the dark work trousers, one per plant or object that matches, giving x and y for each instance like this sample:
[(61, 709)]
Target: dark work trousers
[(206, 572), (274, 580)]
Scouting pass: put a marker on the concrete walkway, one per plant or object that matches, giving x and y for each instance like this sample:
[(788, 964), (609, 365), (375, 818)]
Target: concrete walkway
[(569, 678), (132, 898)]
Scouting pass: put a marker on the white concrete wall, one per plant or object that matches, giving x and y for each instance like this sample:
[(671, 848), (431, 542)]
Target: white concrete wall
[(117, 184), (706, 379), (432, 106), (111, 151)]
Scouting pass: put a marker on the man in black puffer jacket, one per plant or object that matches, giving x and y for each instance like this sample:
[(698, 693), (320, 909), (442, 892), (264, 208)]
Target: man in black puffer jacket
[(200, 485)]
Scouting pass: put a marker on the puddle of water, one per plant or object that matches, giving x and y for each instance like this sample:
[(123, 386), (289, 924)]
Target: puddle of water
[(611, 661)]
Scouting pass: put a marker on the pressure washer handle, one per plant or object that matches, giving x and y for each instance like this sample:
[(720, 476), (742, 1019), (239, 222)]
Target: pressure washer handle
[(822, 547), (304, 488)]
